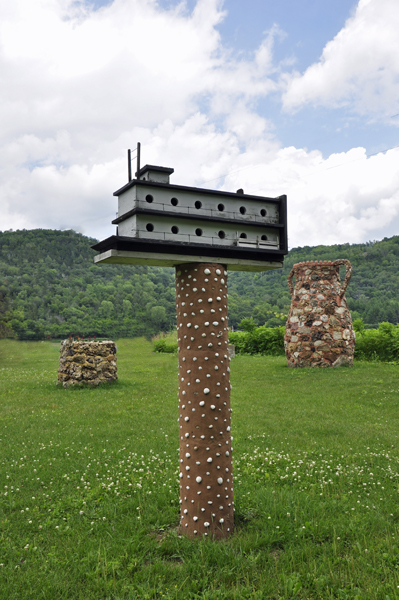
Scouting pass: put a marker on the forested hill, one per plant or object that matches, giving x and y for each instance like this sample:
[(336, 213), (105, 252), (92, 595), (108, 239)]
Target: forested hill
[(49, 287), (55, 289)]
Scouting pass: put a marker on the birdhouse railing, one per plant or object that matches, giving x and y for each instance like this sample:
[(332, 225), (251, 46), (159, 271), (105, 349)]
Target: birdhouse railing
[(200, 238), (200, 211)]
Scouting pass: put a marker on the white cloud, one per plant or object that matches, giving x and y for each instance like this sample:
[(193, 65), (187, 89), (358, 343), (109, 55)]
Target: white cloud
[(359, 68), (79, 87), (344, 198)]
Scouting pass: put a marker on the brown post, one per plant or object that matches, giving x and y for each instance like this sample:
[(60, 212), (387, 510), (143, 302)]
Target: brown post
[(206, 476)]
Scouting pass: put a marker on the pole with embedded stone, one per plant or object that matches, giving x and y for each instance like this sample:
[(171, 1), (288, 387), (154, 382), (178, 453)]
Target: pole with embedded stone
[(206, 477)]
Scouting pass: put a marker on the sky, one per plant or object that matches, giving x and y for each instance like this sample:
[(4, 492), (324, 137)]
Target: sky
[(296, 97)]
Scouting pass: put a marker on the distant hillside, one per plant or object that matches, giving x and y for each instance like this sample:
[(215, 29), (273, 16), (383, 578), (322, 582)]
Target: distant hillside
[(372, 294), (55, 289), (51, 288)]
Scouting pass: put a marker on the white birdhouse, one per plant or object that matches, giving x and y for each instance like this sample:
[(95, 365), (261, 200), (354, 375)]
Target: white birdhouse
[(163, 224)]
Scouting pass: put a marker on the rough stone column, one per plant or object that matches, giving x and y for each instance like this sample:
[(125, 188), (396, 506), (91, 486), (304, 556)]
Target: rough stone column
[(87, 363), (319, 330), (206, 477)]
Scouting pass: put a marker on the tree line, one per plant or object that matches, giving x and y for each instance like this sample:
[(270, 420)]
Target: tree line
[(50, 288)]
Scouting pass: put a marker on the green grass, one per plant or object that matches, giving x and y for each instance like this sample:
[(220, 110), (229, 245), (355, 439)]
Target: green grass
[(89, 492)]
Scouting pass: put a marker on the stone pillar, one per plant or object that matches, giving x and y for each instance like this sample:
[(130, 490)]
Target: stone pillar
[(206, 476), (319, 330), (87, 363)]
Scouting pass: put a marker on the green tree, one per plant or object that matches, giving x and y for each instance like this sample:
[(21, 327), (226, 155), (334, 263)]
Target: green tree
[(5, 330), (158, 316)]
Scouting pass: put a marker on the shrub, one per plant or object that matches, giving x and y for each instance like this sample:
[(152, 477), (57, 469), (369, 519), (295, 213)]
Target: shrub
[(259, 340), (165, 346), (165, 343), (378, 344)]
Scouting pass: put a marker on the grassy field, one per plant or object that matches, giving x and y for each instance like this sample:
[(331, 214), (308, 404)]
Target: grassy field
[(89, 483)]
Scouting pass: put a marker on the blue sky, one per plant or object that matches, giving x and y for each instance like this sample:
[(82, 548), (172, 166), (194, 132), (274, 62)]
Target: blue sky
[(296, 97), (307, 26)]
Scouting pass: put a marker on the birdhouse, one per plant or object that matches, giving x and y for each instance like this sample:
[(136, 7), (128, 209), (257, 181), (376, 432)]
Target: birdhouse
[(164, 224), (203, 233)]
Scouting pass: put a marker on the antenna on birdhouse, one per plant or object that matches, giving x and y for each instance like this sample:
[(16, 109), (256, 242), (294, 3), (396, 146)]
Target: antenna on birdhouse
[(138, 157), (129, 161)]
